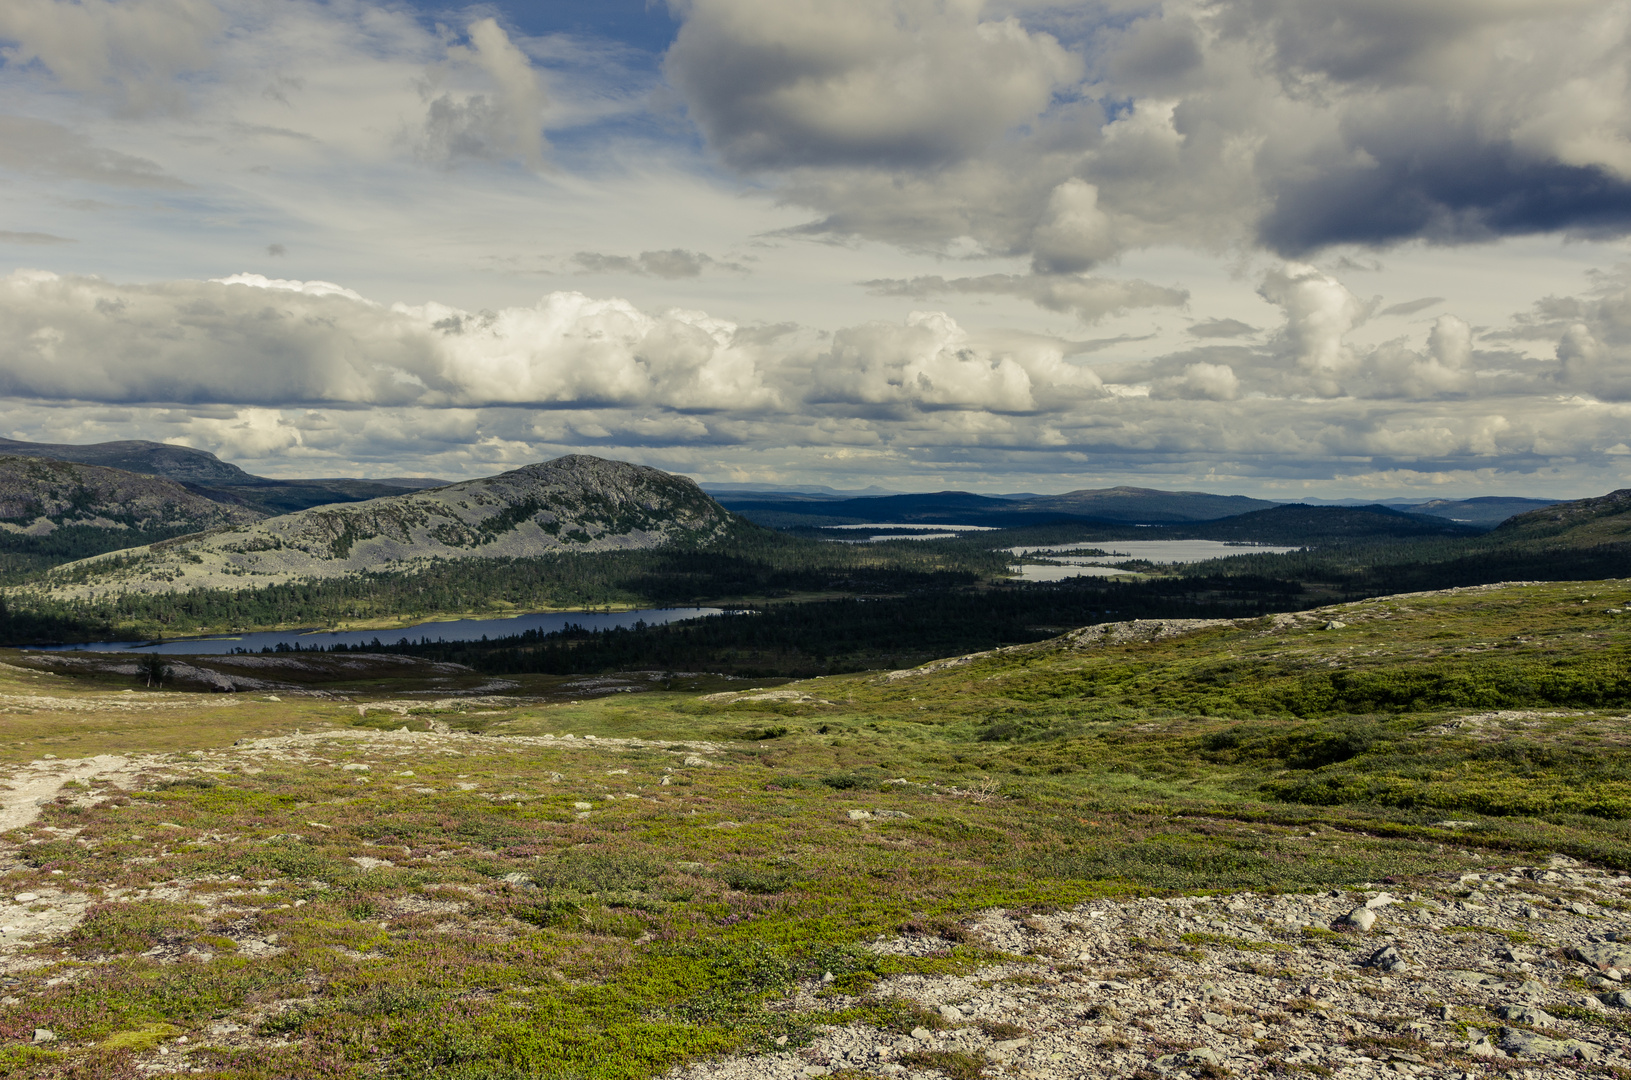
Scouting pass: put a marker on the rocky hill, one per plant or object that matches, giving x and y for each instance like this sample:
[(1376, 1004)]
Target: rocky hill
[(575, 503), (39, 496), (202, 473)]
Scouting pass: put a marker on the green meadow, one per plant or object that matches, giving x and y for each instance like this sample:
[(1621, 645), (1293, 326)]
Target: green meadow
[(543, 885)]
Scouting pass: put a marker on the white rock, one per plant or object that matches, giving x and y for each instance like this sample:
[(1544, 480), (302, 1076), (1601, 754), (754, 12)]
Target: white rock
[(1362, 918)]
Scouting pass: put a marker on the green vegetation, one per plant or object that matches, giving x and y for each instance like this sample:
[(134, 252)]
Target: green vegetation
[(505, 904)]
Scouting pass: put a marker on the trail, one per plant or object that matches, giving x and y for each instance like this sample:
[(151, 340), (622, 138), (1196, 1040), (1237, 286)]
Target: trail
[(38, 782)]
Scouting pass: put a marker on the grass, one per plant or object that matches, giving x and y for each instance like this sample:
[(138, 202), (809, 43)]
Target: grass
[(453, 910)]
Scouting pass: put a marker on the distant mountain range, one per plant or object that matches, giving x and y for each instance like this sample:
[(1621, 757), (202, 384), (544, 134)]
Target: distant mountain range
[(205, 474), (1108, 506), (571, 504)]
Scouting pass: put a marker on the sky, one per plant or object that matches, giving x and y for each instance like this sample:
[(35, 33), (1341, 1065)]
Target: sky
[(1284, 248)]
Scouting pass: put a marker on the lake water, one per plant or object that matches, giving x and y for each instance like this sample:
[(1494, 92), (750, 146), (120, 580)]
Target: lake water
[(455, 630), (1156, 551)]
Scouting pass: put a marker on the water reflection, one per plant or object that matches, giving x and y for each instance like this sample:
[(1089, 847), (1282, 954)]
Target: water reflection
[(453, 630)]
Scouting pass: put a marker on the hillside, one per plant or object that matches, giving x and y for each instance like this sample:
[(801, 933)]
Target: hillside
[(1300, 524), (1118, 506), (1341, 843), (180, 463), (40, 496), (208, 476), (572, 504), (1144, 505), (1486, 511)]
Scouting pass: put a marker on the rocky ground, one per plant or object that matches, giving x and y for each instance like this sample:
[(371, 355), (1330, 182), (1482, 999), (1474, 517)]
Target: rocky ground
[(1516, 971)]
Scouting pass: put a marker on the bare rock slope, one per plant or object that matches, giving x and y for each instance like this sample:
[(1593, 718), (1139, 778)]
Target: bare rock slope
[(574, 503), (39, 496)]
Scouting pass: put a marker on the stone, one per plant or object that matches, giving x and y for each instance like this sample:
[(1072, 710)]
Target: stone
[(859, 815), (1381, 900), (1387, 958), (27, 897), (1526, 1044), (922, 1034), (952, 1014), (1602, 955), (1212, 1019), (694, 761), (44, 1035), (1361, 919), (1620, 999), (1471, 978), (1526, 1014)]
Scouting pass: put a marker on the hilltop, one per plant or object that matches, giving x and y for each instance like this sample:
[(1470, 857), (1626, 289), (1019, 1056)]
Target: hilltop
[(39, 496), (206, 475), (571, 504)]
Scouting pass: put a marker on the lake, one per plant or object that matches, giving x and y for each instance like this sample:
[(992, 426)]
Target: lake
[(1156, 551), (454, 630)]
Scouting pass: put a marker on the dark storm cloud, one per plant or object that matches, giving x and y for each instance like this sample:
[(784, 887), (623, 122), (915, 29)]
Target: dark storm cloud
[(1442, 187)]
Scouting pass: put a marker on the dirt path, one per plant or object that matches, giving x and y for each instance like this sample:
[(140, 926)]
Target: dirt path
[(38, 782)]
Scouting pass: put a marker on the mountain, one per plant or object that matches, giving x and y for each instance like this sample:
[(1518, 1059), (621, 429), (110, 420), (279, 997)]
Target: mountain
[(180, 463), (1486, 511), (1605, 519), (39, 496), (207, 475), (1116, 506), (1299, 524), (571, 504), (1143, 506), (928, 508)]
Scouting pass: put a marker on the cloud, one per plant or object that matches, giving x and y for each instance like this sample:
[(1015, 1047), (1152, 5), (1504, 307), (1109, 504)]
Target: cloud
[(1293, 125), (670, 265), (33, 238), (502, 122), (45, 149), (130, 54), (1201, 381), (1222, 328), (252, 340), (1088, 298), (819, 82), (929, 361), (1410, 307), (1319, 313)]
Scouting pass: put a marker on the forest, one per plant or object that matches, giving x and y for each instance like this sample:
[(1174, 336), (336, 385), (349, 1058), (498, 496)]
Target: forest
[(804, 604)]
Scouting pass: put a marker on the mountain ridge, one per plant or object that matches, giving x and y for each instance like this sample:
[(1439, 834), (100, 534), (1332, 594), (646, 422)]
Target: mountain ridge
[(206, 475), (572, 503), (38, 496)]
